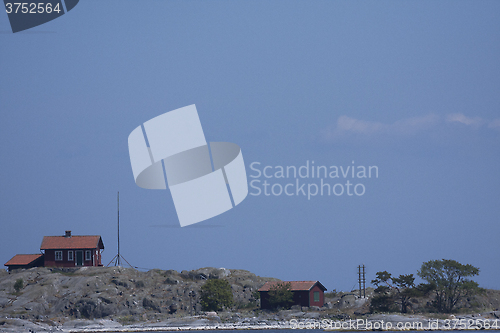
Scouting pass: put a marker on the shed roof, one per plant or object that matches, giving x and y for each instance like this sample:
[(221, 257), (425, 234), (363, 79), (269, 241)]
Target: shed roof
[(72, 242), (22, 259), (294, 285)]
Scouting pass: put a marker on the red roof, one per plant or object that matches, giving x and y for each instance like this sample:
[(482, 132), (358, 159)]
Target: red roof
[(22, 259), (73, 242), (294, 285)]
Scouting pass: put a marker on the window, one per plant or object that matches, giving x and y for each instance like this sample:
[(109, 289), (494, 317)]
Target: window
[(316, 296), (70, 256), (58, 255), (88, 255)]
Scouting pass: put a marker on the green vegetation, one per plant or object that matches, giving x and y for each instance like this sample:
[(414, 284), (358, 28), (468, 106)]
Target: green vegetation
[(18, 285), (450, 282), (447, 279), (245, 305), (126, 320), (216, 294), (280, 295), (392, 291), (332, 294)]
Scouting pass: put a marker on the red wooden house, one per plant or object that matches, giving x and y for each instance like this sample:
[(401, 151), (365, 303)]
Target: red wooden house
[(305, 293), (71, 251), (24, 261)]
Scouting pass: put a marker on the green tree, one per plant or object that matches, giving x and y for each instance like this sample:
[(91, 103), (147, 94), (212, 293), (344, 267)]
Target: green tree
[(215, 295), (394, 290), (382, 302), (450, 281), (280, 295), (18, 285)]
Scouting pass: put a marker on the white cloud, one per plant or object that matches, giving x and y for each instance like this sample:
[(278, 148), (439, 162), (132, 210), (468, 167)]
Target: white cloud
[(347, 126), (475, 122)]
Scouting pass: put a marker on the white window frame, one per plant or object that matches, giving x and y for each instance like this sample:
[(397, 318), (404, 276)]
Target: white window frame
[(88, 255), (58, 255), (71, 256)]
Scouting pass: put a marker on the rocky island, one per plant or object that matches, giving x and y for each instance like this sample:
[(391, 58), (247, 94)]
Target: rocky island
[(114, 299)]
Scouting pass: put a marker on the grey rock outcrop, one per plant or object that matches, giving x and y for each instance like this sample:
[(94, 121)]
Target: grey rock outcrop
[(115, 292)]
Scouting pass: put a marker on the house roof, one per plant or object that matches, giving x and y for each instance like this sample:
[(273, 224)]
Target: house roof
[(73, 242), (294, 285), (22, 259)]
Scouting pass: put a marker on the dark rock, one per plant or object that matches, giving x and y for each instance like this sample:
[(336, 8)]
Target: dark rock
[(150, 305), (105, 300), (86, 308), (90, 309), (170, 280), (194, 275), (140, 284), (119, 283)]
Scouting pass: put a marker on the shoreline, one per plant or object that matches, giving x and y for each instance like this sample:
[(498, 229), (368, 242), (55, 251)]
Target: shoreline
[(376, 322)]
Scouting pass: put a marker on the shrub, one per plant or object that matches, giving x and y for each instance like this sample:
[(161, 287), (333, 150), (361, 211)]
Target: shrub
[(332, 294), (280, 295), (216, 294), (19, 285)]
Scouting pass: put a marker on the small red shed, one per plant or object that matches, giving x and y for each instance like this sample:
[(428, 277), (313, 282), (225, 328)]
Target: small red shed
[(24, 261), (305, 293), (71, 251)]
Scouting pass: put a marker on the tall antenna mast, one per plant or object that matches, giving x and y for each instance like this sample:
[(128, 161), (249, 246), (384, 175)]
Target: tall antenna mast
[(117, 258)]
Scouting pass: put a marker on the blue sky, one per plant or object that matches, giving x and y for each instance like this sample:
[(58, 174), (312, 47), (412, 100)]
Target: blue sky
[(411, 87)]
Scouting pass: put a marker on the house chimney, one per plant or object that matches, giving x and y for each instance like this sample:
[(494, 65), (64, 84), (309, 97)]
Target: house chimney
[(68, 234)]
